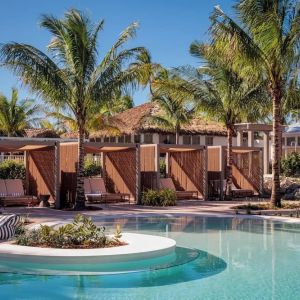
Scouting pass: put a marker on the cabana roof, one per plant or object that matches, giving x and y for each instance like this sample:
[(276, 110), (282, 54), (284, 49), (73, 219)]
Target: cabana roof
[(40, 133), (132, 121)]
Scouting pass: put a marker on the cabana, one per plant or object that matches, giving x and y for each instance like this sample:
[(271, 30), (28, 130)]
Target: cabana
[(247, 170), (120, 168), (185, 165), (41, 163)]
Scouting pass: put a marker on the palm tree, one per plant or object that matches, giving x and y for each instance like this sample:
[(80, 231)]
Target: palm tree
[(17, 115), (266, 45), (174, 109), (221, 95), (72, 77)]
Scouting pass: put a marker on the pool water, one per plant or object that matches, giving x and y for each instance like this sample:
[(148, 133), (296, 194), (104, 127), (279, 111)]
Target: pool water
[(235, 259)]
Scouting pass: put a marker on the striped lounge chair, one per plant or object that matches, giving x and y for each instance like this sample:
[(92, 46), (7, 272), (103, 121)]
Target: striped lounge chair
[(95, 191), (8, 225)]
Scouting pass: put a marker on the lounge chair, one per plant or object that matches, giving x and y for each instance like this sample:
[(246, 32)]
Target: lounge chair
[(8, 225), (238, 193), (12, 193), (167, 183), (95, 191)]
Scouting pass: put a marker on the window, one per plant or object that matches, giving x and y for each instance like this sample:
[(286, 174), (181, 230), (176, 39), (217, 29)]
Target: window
[(196, 140), (172, 139), (186, 139), (148, 138), (121, 139), (128, 138), (290, 141), (209, 140), (163, 139), (106, 139), (299, 141), (112, 139), (137, 138)]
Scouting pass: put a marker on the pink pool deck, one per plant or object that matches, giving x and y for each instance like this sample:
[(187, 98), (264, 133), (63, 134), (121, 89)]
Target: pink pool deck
[(184, 207)]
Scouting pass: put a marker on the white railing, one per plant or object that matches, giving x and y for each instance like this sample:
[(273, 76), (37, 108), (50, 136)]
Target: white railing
[(17, 158), (93, 158)]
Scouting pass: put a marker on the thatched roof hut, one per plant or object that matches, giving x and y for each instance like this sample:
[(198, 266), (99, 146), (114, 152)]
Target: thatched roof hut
[(40, 133), (132, 121)]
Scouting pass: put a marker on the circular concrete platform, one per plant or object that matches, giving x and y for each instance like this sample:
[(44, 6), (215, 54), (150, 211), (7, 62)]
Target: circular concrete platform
[(139, 247)]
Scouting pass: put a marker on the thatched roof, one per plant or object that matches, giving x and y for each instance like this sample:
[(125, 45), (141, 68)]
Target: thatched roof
[(132, 121), (40, 133), (69, 135)]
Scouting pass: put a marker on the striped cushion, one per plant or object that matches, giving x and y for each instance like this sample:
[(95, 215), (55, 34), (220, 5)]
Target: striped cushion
[(8, 226)]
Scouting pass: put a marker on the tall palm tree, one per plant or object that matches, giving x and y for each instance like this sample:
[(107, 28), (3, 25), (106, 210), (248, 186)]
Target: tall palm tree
[(174, 109), (220, 94), (264, 43), (16, 115), (71, 76)]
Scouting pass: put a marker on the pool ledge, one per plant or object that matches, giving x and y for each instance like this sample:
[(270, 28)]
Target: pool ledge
[(139, 246)]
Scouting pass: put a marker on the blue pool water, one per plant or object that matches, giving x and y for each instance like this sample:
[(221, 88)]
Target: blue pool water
[(236, 259)]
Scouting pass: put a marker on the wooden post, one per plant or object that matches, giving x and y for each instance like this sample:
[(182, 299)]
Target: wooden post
[(222, 172), (156, 164), (261, 171), (57, 178), (205, 177), (138, 175)]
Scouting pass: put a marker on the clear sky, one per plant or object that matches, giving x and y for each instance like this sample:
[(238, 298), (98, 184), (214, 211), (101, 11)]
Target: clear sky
[(167, 27)]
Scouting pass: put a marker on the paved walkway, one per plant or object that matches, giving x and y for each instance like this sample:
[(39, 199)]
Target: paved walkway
[(109, 210)]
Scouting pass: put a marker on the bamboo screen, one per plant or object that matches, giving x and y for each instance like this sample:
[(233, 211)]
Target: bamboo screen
[(41, 172), (187, 170), (120, 171)]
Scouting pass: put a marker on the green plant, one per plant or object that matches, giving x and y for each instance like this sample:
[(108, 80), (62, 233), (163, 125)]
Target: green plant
[(10, 169), (162, 168), (91, 169), (163, 197), (290, 165), (81, 233)]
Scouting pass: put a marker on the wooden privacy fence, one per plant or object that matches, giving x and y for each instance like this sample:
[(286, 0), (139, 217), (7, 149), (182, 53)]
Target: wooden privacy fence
[(186, 165), (247, 169), (120, 168)]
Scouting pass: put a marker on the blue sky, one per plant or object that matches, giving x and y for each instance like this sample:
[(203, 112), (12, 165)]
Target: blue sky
[(167, 27)]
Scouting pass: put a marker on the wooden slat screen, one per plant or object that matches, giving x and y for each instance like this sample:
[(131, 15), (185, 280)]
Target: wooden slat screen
[(149, 176), (41, 172), (120, 171), (187, 170), (213, 159), (68, 166)]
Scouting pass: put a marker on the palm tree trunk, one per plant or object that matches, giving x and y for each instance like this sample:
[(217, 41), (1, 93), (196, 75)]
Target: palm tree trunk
[(177, 134), (80, 197), (276, 95), (229, 163)]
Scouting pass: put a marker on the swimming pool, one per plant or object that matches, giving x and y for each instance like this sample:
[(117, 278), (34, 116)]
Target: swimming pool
[(238, 259)]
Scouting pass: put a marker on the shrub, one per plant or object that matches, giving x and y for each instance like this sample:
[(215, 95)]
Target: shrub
[(81, 233), (91, 169), (290, 165), (10, 169), (163, 197), (162, 168)]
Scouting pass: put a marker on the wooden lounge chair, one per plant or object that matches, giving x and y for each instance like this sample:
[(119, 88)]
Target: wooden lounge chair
[(167, 183), (12, 193), (8, 225), (95, 191), (238, 193)]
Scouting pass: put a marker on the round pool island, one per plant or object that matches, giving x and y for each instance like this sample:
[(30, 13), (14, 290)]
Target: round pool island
[(141, 252)]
